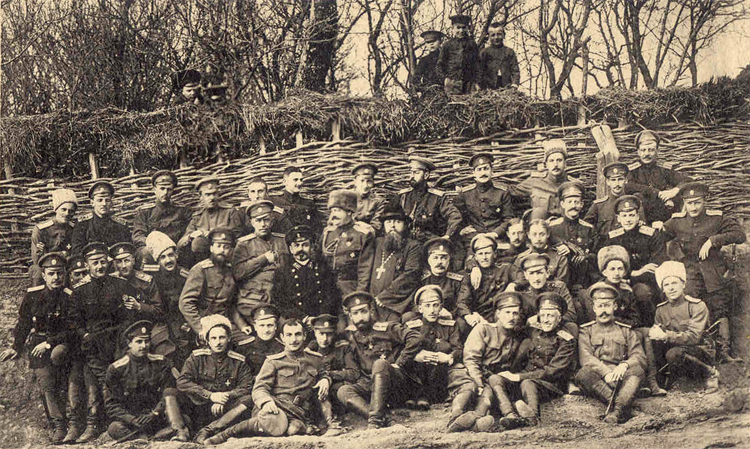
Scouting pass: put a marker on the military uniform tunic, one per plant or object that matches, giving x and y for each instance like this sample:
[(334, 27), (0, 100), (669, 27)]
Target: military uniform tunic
[(393, 342), (167, 218), (551, 357), (134, 386), (56, 237), (209, 289), (644, 245), (369, 210), (252, 270), (297, 211), (256, 350), (529, 295), (557, 267), (541, 188), (490, 349), (169, 285), (659, 176), (426, 74), (432, 214), (441, 336), (602, 215), (486, 207), (683, 320), (305, 290), (205, 219), (601, 347), (107, 230), (453, 287), (578, 233), (349, 253), (205, 372), (494, 280), (337, 357)]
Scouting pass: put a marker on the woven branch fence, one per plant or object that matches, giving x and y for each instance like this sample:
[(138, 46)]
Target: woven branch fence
[(718, 154)]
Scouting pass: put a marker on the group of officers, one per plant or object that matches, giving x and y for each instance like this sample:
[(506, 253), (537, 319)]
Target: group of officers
[(266, 319)]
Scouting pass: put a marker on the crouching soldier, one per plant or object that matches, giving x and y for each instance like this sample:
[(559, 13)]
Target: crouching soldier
[(43, 320), (680, 324), (139, 392), (216, 380), (611, 356)]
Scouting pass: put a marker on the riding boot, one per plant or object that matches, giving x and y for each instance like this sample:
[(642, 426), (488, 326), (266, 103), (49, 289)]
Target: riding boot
[(174, 416), (247, 428), (458, 407), (623, 400), (378, 402), (92, 419), (56, 415), (601, 391), (220, 424), (653, 388), (724, 343), (711, 373)]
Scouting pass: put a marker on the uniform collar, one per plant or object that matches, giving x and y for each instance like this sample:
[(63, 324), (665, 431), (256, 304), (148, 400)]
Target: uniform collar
[(485, 186)]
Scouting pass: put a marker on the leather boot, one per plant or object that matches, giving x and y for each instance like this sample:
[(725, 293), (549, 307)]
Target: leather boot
[(653, 388), (459, 405), (511, 421), (723, 343), (74, 431), (76, 405), (711, 373), (91, 431), (358, 405), (174, 416), (601, 391), (247, 428), (56, 415), (506, 407), (220, 424), (623, 400), (377, 418)]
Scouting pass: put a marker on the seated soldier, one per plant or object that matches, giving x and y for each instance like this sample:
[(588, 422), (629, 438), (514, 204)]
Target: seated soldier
[(76, 270), (492, 349), (534, 266), (139, 392), (42, 320), (539, 243), (216, 380), (284, 391), (256, 348), (517, 243), (441, 349), (148, 300), (611, 356), (382, 352), (680, 325), (53, 235)]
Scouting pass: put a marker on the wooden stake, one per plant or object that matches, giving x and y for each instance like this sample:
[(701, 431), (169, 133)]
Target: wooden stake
[(94, 166), (183, 158), (608, 153), (336, 129), (300, 142)]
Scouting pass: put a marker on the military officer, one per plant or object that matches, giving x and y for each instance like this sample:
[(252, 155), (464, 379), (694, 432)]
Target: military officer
[(138, 388), (257, 190), (216, 380), (210, 287), (102, 226), (347, 247), (297, 210), (540, 242), (162, 215), (257, 256), (148, 301), (602, 214), (698, 234), (382, 352), (426, 74), (611, 356), (76, 269), (42, 318), (535, 272), (370, 205), (517, 242), (476, 298), (53, 235), (431, 213), (264, 342)]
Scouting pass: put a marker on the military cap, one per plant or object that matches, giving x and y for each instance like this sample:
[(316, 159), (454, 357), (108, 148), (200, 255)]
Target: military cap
[(646, 135), (553, 146), (157, 242), (422, 163), (569, 189), (62, 196), (77, 263), (140, 328), (393, 211), (354, 299), (365, 168), (186, 78), (481, 241), (438, 245), (344, 199), (603, 286), (121, 250), (551, 299), (461, 18), (299, 234), (221, 235), (533, 259), (164, 177), (209, 322), (615, 169), (52, 260), (207, 180), (507, 299), (481, 159), (259, 209), (94, 249), (610, 253), (627, 203), (324, 323), (693, 190), (668, 269), (431, 35), (423, 292), (101, 187), (264, 312), (273, 424)]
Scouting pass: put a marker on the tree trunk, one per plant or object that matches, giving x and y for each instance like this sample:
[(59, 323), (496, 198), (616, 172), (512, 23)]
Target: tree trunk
[(321, 50)]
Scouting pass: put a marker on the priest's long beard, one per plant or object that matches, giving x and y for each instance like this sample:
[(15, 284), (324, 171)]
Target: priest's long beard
[(394, 242)]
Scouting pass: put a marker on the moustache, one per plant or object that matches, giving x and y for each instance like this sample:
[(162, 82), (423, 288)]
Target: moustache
[(603, 315)]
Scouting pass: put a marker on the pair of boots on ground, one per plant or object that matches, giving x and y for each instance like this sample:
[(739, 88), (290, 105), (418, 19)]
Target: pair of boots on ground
[(521, 413)]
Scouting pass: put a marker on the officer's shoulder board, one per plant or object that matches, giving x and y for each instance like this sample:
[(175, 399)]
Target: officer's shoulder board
[(668, 165), (150, 268), (311, 352), (662, 303), (455, 276), (68, 291), (469, 188), (381, 326), (538, 174), (714, 213), (341, 343), (184, 272), (85, 280), (246, 238), (583, 222), (119, 220), (634, 165), (45, 224), (601, 200), (565, 335), (155, 357), (689, 298), (646, 230), (147, 206), (625, 286), (275, 356), (499, 186), (278, 210), (278, 234), (202, 351), (425, 275), (624, 325), (35, 289), (436, 191), (246, 341), (616, 233), (121, 362), (404, 191), (446, 322), (208, 263), (116, 275), (86, 216), (351, 328), (679, 215), (556, 221), (143, 276), (236, 356), (413, 324), (588, 324)]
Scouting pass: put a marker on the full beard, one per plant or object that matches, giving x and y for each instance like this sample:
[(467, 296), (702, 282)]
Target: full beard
[(394, 242)]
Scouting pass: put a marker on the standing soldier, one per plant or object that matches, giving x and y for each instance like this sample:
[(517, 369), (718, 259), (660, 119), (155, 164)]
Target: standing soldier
[(210, 287), (699, 234), (138, 388), (42, 318), (427, 77), (431, 213), (256, 259), (498, 64), (602, 214), (162, 215), (53, 235), (370, 205), (297, 210), (257, 190), (459, 58), (256, 348), (101, 226)]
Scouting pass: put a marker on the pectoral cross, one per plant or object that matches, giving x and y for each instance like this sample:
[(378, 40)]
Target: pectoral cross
[(228, 382), (380, 271)]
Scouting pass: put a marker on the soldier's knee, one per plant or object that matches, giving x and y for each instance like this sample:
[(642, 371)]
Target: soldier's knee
[(585, 376), (527, 385), (380, 366), (496, 380), (675, 356), (58, 356), (296, 427), (344, 393), (117, 430), (245, 400)]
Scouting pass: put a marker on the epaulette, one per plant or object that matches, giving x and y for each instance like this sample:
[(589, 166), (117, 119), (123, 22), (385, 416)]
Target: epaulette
[(363, 228), (624, 325), (601, 200), (121, 362), (425, 275), (646, 230), (413, 324), (469, 187), (588, 324), (119, 220), (184, 272), (625, 286), (278, 234), (147, 206), (668, 165), (245, 238), (275, 356), (155, 357), (679, 215), (662, 303), (86, 216), (693, 300), (116, 275), (565, 335), (616, 233), (225, 206), (634, 166), (246, 341), (556, 221), (714, 213), (435, 191), (351, 328), (207, 263), (381, 326), (503, 245), (405, 191), (538, 174), (68, 291), (236, 356), (455, 276), (341, 343), (143, 276), (35, 289), (275, 193), (45, 224), (500, 186), (311, 352), (278, 210), (583, 222), (202, 351), (150, 267), (445, 322), (85, 280)]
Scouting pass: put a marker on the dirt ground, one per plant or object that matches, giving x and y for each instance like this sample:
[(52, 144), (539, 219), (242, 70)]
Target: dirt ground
[(686, 418)]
